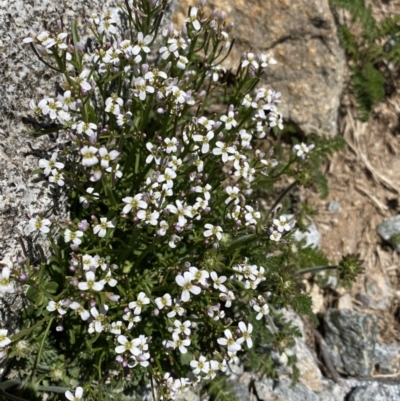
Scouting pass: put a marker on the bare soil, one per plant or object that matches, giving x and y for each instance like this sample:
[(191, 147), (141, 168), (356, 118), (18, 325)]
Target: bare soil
[(365, 180)]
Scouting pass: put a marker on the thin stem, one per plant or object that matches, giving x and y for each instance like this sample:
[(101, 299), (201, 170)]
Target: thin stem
[(316, 269), (280, 197)]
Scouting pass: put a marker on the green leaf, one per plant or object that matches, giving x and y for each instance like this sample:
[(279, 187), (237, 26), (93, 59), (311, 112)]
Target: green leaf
[(35, 297), (51, 287)]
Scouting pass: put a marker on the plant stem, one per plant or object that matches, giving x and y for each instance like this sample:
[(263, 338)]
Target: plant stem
[(316, 269)]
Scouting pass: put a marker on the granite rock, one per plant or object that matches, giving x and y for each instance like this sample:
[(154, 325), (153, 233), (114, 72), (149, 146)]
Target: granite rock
[(351, 337), (388, 228), (378, 291), (301, 35), (375, 391), (387, 358)]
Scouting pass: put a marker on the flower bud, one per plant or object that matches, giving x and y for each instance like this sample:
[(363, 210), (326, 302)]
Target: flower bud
[(145, 68), (83, 225)]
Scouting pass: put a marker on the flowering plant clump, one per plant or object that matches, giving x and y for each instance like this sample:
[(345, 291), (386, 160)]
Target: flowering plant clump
[(168, 268)]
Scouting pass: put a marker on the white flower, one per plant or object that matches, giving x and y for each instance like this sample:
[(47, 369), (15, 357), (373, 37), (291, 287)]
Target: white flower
[(142, 88), (139, 303), (88, 261), (73, 236), (181, 62), (116, 327), (177, 342), (246, 332), (89, 156), (205, 191), (266, 59), (168, 177), (106, 156), (218, 282), (163, 301), (50, 165), (115, 170), (227, 298), (223, 149), (124, 118), (90, 283), (99, 319), (181, 211), (78, 308), (78, 394), (206, 123), (229, 120), (176, 309), (163, 228), (213, 230), (101, 229), (171, 145), (182, 328), (250, 59), (133, 203), (302, 149), (126, 345), (58, 306), (200, 275), (262, 310), (214, 366), (233, 193), (142, 44), (251, 216), (51, 108), (185, 282), (275, 236), (81, 80), (109, 280), (84, 199), (204, 140), (35, 223), (275, 119), (201, 365), (282, 224), (106, 25), (148, 216), (5, 285), (153, 154), (132, 319), (193, 18), (232, 344), (4, 340), (88, 128), (57, 177)]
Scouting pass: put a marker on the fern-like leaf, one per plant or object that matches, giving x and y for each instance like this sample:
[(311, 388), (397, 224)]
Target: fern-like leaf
[(368, 87)]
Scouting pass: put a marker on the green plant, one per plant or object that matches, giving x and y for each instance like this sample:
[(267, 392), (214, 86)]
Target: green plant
[(368, 44), (167, 262)]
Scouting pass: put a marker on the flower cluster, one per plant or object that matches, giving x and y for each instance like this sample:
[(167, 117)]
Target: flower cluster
[(156, 259)]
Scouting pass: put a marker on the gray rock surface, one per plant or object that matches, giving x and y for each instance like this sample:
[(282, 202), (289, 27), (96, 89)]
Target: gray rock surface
[(301, 35), (378, 291), (351, 337), (375, 391), (387, 358), (333, 207), (388, 228)]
